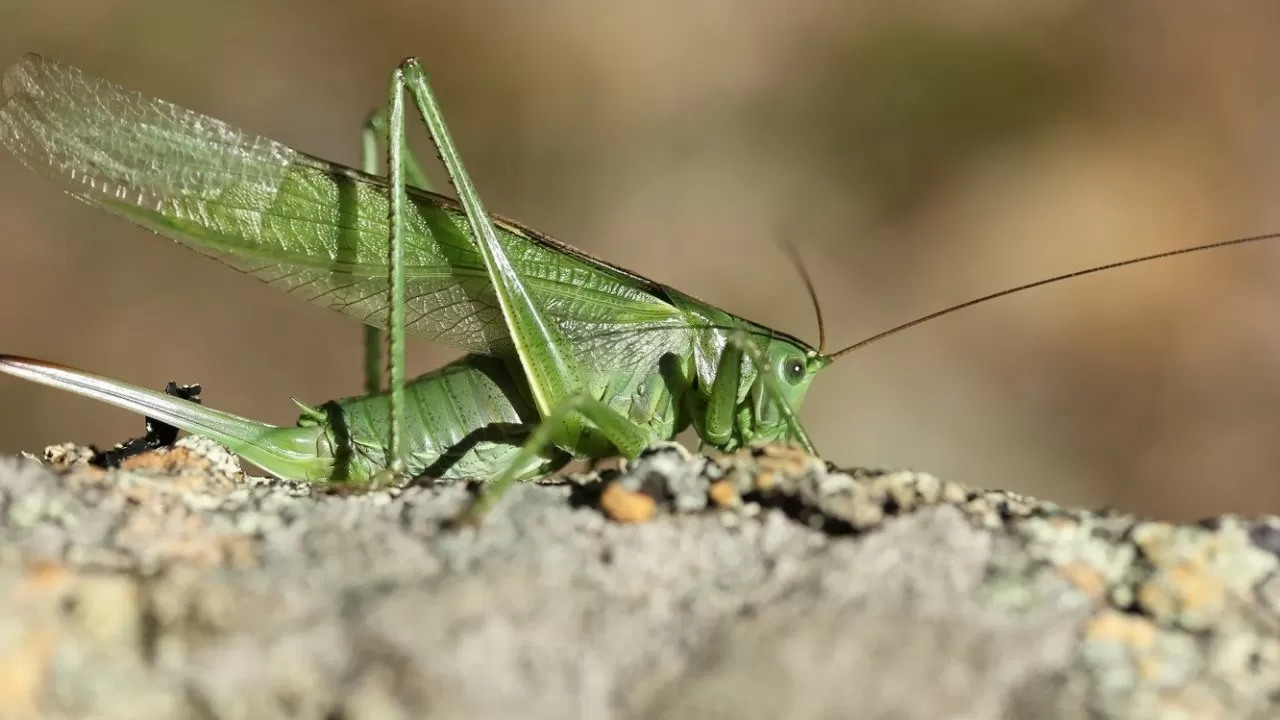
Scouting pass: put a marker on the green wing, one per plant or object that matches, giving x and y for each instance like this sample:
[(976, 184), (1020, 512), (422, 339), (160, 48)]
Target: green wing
[(313, 228)]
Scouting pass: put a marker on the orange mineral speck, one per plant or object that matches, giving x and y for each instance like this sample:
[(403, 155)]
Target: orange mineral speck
[(1086, 579), (23, 669), (1200, 591), (787, 459), (1135, 632), (169, 460), (45, 576), (724, 494), (624, 506)]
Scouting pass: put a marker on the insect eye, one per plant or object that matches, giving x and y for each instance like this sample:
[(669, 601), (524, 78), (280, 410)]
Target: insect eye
[(793, 369)]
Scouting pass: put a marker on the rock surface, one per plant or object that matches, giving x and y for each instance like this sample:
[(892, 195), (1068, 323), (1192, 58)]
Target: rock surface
[(760, 585)]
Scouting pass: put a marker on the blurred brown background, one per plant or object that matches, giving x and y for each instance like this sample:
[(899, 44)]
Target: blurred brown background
[(919, 158)]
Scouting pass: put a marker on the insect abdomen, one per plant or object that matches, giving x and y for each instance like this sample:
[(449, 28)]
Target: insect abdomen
[(466, 419)]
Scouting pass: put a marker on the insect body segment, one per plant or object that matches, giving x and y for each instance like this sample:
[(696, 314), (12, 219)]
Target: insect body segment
[(464, 420)]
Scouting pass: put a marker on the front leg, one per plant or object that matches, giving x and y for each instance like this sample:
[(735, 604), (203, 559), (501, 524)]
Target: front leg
[(721, 407)]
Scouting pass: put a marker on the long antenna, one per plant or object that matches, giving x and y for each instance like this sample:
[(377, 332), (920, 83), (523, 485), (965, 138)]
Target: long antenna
[(791, 250), (1047, 281)]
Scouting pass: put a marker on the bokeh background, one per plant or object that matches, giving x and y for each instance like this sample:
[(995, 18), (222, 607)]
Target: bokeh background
[(918, 157)]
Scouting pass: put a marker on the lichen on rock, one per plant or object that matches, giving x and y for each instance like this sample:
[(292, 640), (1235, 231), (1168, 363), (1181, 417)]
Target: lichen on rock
[(765, 583)]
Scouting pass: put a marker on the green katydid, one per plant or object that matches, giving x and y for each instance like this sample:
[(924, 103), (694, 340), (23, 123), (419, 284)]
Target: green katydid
[(570, 356)]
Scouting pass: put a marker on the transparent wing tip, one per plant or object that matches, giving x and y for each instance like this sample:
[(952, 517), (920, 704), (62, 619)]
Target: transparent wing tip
[(23, 85), (21, 79)]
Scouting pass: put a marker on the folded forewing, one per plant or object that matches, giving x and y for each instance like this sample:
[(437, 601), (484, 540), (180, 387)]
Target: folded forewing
[(310, 227)]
